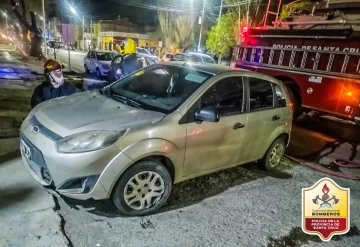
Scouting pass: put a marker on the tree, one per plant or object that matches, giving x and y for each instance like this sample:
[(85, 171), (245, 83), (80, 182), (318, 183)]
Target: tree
[(20, 8), (221, 37), (177, 28)]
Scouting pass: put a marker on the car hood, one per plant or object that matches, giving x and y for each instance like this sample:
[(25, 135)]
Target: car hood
[(91, 111)]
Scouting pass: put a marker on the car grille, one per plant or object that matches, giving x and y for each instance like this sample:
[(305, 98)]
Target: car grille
[(106, 66), (36, 162)]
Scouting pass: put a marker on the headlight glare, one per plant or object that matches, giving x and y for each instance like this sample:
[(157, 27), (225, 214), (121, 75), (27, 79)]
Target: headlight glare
[(88, 141)]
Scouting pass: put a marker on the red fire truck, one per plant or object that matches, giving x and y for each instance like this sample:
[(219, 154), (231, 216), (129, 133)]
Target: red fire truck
[(316, 55)]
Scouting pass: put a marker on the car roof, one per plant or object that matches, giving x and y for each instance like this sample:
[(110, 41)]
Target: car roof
[(199, 54), (106, 51), (205, 67)]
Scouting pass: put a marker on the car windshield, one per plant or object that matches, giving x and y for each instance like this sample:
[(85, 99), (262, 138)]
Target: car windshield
[(181, 57), (195, 58), (207, 59), (142, 50), (105, 56), (159, 87)]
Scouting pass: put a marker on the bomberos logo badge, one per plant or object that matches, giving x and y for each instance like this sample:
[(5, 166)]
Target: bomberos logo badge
[(325, 209)]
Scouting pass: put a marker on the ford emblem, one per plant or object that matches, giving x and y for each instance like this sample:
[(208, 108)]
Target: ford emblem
[(36, 129)]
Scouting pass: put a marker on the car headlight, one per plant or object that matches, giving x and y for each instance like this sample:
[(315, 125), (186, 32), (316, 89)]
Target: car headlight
[(88, 141)]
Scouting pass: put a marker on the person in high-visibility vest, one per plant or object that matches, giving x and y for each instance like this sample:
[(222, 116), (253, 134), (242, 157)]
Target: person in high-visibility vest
[(129, 62)]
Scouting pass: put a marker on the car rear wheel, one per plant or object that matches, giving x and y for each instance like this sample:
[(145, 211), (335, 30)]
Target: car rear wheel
[(143, 189), (273, 156), (87, 71), (98, 73)]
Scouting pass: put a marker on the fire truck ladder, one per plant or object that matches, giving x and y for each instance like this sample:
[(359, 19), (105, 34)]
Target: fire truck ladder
[(273, 8), (305, 60)]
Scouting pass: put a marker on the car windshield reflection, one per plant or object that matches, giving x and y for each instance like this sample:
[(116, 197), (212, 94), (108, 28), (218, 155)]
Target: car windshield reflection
[(160, 87)]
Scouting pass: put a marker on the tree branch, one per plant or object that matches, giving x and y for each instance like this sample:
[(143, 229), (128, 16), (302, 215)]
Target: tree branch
[(34, 27), (22, 2), (21, 18)]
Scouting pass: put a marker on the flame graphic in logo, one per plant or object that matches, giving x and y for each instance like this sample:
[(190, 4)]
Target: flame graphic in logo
[(325, 189)]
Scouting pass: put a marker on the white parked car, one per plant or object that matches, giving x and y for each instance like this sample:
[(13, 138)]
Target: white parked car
[(200, 58), (98, 61)]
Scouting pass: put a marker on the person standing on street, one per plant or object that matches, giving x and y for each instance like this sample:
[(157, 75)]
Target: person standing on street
[(54, 86)]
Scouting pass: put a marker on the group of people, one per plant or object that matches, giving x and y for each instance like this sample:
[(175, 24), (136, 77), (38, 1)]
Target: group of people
[(55, 86)]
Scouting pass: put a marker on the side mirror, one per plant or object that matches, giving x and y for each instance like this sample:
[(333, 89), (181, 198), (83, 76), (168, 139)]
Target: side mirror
[(207, 114)]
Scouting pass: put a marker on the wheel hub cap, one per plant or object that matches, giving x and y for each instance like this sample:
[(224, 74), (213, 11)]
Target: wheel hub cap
[(276, 155), (144, 190)]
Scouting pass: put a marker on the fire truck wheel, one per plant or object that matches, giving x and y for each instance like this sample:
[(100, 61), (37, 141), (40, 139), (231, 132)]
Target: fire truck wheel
[(295, 95)]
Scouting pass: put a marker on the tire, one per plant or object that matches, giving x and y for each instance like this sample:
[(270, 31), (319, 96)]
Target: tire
[(98, 74), (87, 71), (154, 194), (295, 95), (266, 162), (109, 79)]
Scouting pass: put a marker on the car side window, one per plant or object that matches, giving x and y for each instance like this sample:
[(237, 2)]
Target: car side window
[(89, 54), (280, 95), (226, 96), (261, 94), (195, 58)]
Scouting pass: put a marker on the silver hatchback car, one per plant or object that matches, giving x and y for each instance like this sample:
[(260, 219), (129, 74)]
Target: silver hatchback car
[(161, 125)]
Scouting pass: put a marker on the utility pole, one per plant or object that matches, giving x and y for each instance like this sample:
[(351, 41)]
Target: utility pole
[(44, 25), (202, 24), (91, 32), (220, 11), (6, 24), (247, 13), (83, 24)]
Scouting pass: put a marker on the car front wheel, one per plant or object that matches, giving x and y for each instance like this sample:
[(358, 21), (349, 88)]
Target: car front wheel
[(143, 189), (273, 156), (98, 73), (87, 71)]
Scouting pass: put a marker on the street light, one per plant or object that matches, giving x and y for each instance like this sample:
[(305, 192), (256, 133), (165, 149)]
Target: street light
[(73, 10), (6, 22)]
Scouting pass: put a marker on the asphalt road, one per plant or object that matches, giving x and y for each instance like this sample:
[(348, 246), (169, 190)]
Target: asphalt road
[(76, 59), (243, 206)]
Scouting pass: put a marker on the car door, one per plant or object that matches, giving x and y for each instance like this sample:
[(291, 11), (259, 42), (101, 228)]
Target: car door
[(87, 59), (92, 60), (213, 145), (263, 117)]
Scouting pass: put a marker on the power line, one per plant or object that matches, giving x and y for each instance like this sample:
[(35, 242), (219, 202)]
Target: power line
[(159, 7)]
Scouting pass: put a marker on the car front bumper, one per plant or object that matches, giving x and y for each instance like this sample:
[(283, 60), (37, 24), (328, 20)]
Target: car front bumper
[(80, 175)]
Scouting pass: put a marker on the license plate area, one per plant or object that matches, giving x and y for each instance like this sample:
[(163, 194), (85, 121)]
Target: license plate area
[(25, 149)]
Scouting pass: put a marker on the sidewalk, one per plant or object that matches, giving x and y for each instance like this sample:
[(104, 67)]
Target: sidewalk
[(27, 216)]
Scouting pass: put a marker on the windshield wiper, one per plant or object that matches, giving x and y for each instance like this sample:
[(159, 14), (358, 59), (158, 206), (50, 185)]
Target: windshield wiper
[(126, 100)]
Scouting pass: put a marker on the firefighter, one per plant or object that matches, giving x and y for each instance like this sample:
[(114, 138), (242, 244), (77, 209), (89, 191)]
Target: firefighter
[(54, 86), (129, 62)]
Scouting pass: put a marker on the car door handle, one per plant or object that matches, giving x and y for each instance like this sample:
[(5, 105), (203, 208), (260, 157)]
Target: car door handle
[(275, 117), (238, 126)]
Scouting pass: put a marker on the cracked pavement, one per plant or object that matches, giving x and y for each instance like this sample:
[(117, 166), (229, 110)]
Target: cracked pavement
[(27, 216), (242, 206)]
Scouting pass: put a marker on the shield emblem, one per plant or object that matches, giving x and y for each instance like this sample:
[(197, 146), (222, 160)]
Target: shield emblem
[(325, 209)]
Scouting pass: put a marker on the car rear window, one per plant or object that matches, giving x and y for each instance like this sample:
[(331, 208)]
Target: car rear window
[(207, 59), (105, 56), (280, 95)]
